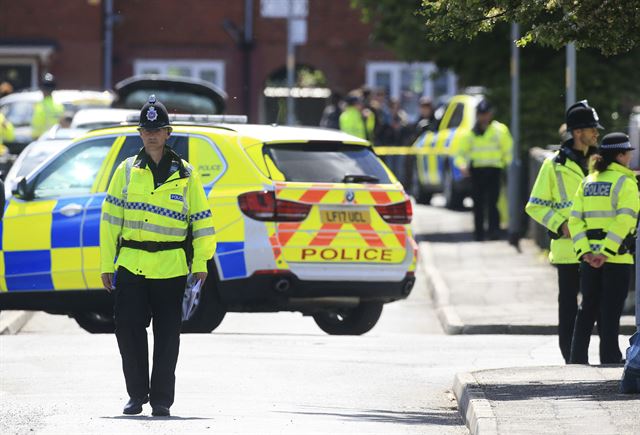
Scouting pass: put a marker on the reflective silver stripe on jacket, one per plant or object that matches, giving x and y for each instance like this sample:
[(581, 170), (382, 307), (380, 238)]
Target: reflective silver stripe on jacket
[(627, 211), (560, 183), (613, 236), (209, 231), (112, 219), (127, 176), (480, 162), (576, 214), (615, 195), (547, 217), (599, 214), (579, 236), (153, 228)]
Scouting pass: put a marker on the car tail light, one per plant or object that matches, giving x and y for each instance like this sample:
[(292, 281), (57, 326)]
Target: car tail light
[(263, 206), (398, 213)]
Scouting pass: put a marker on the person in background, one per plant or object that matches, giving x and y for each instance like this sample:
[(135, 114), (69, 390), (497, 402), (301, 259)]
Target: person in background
[(6, 88), (7, 134), (46, 113), (550, 205), (331, 113), (426, 118), (602, 224), (352, 120), (483, 154)]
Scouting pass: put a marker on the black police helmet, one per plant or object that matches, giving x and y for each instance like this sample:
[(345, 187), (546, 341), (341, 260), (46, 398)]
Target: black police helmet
[(581, 115), (48, 81), (484, 106), (153, 114), (616, 141)]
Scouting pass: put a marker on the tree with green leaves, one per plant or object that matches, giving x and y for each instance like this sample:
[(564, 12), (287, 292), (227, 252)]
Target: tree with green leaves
[(472, 38)]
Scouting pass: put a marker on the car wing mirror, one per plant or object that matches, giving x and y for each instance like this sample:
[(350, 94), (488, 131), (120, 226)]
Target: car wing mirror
[(22, 190)]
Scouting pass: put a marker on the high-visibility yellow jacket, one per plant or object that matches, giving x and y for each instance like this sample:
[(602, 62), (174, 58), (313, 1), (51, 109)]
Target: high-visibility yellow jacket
[(551, 199), (606, 201), (492, 149), (139, 212), (46, 114), (352, 122), (7, 133)]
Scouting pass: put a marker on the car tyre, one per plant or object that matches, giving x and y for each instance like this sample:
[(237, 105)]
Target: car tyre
[(349, 321), (96, 322), (210, 311)]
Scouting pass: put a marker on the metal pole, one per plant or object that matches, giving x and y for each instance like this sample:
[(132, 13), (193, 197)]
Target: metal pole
[(291, 65), (108, 44), (570, 75), (247, 45), (513, 181)]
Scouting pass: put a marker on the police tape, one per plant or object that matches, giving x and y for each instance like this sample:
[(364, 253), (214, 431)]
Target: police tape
[(410, 151)]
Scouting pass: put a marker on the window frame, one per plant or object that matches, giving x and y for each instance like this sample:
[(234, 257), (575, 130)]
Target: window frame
[(196, 66)]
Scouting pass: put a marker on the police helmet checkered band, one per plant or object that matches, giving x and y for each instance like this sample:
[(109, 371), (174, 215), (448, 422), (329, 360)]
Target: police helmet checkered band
[(152, 115), (616, 141), (617, 146)]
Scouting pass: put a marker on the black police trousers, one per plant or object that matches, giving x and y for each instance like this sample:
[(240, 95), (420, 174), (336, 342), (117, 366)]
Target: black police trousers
[(485, 189), (137, 300), (568, 289), (603, 293)]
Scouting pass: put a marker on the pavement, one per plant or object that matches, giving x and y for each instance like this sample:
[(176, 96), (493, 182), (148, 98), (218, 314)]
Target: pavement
[(490, 288), (11, 322)]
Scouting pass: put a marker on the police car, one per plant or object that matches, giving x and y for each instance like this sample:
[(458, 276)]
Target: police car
[(435, 169), (306, 220)]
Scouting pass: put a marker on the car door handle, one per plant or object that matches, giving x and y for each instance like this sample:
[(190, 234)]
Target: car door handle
[(70, 210)]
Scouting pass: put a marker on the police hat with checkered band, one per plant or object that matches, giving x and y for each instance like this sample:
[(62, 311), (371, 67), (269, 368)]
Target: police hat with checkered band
[(153, 114), (616, 142), (581, 115)]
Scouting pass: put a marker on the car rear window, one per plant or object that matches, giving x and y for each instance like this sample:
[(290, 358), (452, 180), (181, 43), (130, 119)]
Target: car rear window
[(326, 162)]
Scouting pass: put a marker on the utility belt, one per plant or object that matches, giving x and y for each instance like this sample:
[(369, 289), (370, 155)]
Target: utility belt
[(628, 245), (152, 246)]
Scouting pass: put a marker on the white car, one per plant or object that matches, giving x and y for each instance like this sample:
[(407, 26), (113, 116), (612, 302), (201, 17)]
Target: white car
[(49, 144), (18, 108), (91, 119)]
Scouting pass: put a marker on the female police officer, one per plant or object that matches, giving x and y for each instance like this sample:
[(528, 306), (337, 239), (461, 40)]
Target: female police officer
[(602, 221), (153, 200)]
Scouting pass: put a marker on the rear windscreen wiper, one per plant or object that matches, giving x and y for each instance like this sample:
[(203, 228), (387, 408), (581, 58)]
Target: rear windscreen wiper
[(359, 178)]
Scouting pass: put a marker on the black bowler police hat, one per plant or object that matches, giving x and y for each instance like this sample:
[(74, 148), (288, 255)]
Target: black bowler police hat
[(581, 115), (484, 106), (616, 141), (48, 81), (153, 114)]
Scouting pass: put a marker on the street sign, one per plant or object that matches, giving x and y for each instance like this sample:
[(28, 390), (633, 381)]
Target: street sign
[(298, 31), (280, 8)]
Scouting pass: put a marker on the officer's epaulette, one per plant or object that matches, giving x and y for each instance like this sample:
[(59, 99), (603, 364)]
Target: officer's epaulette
[(560, 158)]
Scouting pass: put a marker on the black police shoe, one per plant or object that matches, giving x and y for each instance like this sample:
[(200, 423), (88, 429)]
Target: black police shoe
[(134, 405), (160, 411)]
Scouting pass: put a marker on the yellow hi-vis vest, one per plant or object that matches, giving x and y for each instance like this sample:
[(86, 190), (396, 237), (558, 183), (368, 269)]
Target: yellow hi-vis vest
[(551, 200), (352, 122), (492, 149), (134, 210), (606, 201), (7, 133), (46, 114)]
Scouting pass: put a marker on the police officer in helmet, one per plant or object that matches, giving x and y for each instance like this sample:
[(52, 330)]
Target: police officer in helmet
[(550, 204), (154, 200)]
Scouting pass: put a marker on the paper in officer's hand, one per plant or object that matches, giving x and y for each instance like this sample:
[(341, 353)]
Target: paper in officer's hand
[(191, 297)]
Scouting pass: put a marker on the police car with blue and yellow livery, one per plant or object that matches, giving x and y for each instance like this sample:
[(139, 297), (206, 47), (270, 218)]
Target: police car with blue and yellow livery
[(306, 220), (436, 152)]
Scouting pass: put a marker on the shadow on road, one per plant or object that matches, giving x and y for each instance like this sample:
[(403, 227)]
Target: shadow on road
[(445, 237), (441, 418), (602, 391), (150, 417)]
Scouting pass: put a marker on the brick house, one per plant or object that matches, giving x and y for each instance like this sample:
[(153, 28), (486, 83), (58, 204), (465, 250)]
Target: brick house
[(205, 39)]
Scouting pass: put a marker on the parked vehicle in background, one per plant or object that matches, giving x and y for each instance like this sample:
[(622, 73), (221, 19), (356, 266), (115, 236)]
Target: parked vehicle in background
[(91, 119), (178, 94), (18, 108), (50, 143), (306, 220), (435, 170)]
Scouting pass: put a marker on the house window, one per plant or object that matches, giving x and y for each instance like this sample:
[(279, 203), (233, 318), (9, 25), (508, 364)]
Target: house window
[(208, 70), (407, 82)]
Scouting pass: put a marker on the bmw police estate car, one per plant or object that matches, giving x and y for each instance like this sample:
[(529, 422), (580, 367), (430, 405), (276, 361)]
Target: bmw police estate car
[(306, 219)]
